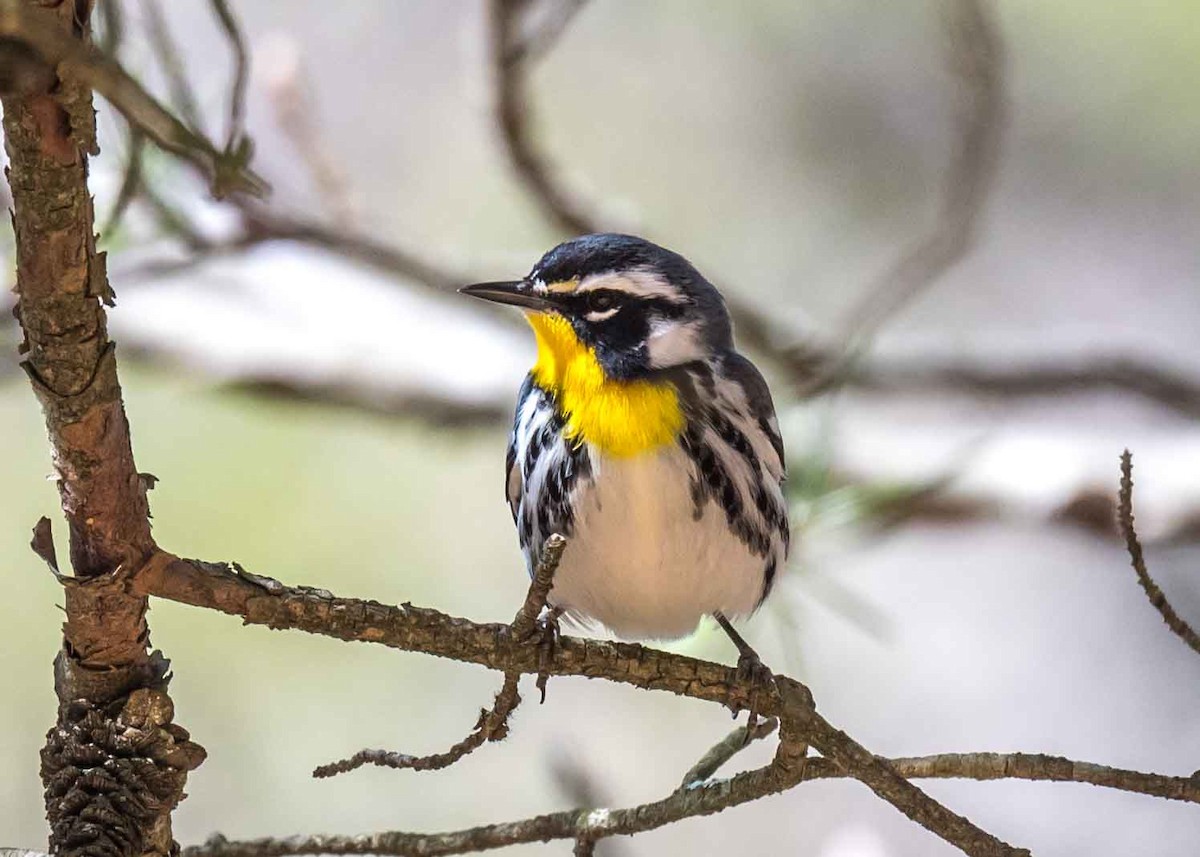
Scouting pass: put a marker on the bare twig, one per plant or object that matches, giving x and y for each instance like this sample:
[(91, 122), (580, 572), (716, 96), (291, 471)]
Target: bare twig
[(539, 588), (509, 54), (726, 749), (545, 32), (1158, 600), (227, 172), (169, 57), (112, 20), (1130, 375), (235, 133), (491, 726), (131, 181), (1029, 766)]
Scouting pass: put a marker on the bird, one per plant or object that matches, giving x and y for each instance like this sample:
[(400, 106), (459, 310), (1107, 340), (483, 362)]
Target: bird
[(645, 438)]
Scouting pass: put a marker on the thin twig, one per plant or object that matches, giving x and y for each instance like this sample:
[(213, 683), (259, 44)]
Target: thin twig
[(510, 79), (1028, 766), (112, 18), (540, 38), (226, 172), (1159, 601), (728, 747), (492, 725), (170, 61), (525, 622), (131, 181), (237, 92)]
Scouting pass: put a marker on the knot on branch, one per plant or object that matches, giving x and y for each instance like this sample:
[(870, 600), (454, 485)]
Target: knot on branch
[(114, 774)]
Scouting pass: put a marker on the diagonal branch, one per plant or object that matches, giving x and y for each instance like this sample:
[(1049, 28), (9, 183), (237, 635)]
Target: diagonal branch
[(169, 57), (724, 750), (1158, 600)]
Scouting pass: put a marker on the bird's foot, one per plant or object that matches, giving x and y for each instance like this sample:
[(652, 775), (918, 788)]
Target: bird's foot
[(753, 671), (547, 633), (750, 670)]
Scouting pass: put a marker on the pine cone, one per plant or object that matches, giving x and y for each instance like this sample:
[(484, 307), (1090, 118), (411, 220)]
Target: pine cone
[(114, 774)]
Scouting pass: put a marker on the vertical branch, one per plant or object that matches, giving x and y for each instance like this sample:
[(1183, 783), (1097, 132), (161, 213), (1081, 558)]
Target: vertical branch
[(241, 74), (509, 55), (1133, 544), (110, 687)]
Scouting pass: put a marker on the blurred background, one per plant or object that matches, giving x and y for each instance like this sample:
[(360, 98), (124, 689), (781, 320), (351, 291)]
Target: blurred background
[(318, 411)]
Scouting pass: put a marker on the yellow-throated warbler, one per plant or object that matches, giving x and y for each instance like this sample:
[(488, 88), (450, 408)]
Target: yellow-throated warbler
[(646, 439)]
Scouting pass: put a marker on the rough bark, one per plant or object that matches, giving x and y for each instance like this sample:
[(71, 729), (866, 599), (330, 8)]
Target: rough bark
[(114, 765)]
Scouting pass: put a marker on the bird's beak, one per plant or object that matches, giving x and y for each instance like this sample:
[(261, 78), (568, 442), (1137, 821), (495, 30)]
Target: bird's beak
[(514, 292)]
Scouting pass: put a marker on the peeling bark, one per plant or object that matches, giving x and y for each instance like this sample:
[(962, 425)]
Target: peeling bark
[(110, 783)]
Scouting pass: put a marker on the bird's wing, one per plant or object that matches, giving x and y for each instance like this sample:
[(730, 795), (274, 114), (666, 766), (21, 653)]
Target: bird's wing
[(758, 397), (513, 483)]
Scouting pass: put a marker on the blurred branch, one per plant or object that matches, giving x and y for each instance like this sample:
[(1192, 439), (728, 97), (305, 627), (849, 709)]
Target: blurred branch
[(170, 61), (296, 112), (580, 788), (1134, 376), (511, 52), (975, 54), (131, 180), (1159, 601), (227, 172), (235, 134)]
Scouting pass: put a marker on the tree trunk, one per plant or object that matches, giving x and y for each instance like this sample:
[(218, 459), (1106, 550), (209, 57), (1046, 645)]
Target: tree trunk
[(114, 765)]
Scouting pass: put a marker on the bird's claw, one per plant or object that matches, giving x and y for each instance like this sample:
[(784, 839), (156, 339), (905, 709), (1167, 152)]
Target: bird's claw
[(547, 632), (760, 678)]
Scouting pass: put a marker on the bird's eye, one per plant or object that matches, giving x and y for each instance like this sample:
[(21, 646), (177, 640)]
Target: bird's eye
[(601, 301)]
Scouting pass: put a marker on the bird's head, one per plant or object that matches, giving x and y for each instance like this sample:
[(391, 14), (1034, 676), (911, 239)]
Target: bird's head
[(637, 308)]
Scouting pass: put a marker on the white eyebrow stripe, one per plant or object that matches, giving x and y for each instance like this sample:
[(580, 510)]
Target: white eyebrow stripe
[(602, 314), (639, 283)]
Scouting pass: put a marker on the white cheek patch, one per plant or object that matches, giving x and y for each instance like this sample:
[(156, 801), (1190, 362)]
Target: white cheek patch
[(672, 343)]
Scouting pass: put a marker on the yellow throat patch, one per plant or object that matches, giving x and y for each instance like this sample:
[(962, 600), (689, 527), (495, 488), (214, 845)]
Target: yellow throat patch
[(621, 418)]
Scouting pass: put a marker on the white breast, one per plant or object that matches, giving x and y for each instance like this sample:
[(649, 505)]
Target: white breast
[(641, 562)]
